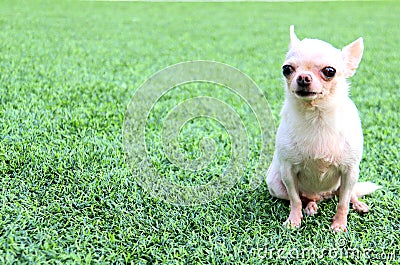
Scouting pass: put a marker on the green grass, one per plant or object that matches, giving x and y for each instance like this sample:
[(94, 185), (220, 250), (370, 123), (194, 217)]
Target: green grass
[(67, 73)]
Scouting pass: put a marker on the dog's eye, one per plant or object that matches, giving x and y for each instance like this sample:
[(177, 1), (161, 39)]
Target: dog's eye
[(287, 70), (329, 72)]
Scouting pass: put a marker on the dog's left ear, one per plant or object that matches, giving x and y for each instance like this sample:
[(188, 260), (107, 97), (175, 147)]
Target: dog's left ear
[(293, 38), (352, 54)]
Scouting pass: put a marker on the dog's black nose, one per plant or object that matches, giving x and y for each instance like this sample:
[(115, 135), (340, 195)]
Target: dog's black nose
[(304, 80)]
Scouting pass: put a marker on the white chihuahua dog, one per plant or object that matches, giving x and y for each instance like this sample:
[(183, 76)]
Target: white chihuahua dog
[(319, 142)]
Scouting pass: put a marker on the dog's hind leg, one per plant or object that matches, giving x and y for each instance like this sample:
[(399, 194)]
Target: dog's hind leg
[(311, 203), (311, 208), (275, 184), (359, 206)]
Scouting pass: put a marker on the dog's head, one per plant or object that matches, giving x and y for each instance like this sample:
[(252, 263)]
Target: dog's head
[(314, 69)]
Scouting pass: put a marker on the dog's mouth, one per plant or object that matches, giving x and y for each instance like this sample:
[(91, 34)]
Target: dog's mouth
[(306, 94)]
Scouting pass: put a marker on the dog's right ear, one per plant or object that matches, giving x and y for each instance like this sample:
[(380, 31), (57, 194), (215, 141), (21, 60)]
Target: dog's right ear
[(293, 38), (352, 54)]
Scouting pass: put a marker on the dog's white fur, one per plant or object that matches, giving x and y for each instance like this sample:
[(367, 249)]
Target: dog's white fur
[(319, 142)]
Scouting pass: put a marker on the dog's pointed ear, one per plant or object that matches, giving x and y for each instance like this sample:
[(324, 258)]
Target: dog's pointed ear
[(352, 54), (293, 38)]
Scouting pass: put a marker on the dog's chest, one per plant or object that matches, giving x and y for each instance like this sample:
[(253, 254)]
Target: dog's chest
[(320, 152), (319, 146)]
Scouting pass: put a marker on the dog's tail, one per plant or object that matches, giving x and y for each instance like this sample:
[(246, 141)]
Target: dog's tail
[(364, 188)]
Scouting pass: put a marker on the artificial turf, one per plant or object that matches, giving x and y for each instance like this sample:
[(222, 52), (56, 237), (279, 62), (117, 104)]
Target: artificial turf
[(68, 70)]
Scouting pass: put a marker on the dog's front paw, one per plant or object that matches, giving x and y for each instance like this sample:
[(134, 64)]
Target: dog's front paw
[(292, 223), (338, 227), (339, 224), (360, 207), (294, 220)]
